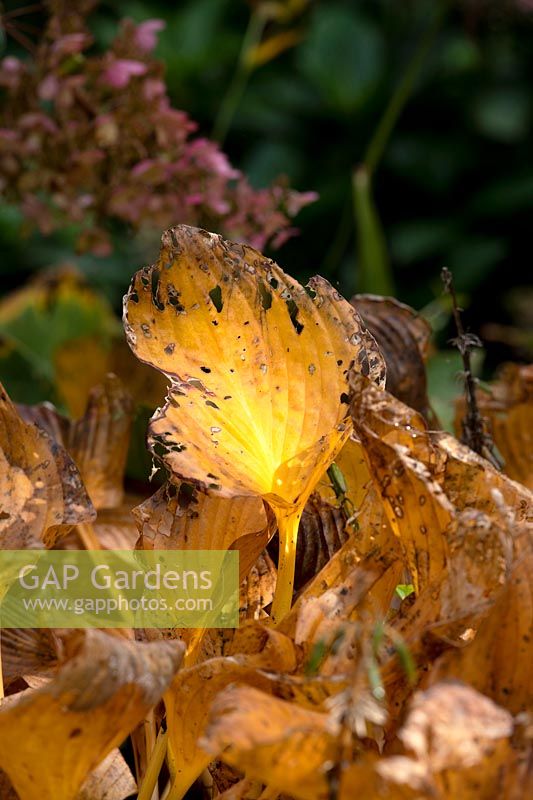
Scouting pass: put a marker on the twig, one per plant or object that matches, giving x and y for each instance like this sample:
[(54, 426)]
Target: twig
[(474, 433)]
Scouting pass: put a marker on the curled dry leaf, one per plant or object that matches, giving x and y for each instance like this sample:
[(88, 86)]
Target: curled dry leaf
[(259, 374), (28, 651), (272, 741), (51, 738), (368, 562), (188, 701), (97, 442), (507, 410), (111, 780), (462, 746), (41, 493), (402, 463), (403, 337), (498, 661)]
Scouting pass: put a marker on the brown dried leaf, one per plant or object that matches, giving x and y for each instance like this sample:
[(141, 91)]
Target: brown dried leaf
[(111, 780), (403, 337), (41, 493), (97, 442), (189, 699), (51, 738)]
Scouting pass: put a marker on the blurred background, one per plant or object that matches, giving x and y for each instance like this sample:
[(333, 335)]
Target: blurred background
[(411, 121)]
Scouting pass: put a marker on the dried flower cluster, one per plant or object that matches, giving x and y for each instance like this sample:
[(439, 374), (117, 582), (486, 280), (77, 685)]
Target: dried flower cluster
[(88, 138)]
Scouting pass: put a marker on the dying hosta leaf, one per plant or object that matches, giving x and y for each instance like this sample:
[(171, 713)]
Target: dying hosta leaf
[(189, 699), (98, 441), (51, 738), (461, 745), (417, 509), (508, 409), (41, 493), (273, 741), (111, 780), (28, 651), (403, 337), (257, 588), (470, 480), (178, 517), (336, 592), (498, 661), (259, 374)]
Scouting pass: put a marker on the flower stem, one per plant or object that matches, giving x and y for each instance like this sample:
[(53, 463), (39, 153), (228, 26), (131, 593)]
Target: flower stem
[(154, 767), (232, 98), (288, 523)]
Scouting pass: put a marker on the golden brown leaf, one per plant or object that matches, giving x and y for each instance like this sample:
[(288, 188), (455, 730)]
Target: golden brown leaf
[(259, 370), (273, 741), (189, 699), (179, 517), (51, 738), (461, 745), (498, 661), (41, 493)]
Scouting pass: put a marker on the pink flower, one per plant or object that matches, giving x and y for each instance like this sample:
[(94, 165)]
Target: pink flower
[(120, 72), (71, 44), (49, 87), (146, 34)]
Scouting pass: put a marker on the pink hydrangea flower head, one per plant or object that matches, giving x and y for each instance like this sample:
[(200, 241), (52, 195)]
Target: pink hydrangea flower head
[(119, 73), (146, 34)]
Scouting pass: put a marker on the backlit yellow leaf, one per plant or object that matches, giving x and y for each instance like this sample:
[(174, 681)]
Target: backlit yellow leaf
[(259, 374)]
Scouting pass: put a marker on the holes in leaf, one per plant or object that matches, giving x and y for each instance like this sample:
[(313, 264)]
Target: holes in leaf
[(265, 295), (216, 298), (311, 292), (154, 285), (174, 298), (186, 495), (293, 314), (205, 369)]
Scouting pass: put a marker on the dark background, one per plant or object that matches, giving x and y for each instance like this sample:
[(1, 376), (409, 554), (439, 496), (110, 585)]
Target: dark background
[(454, 185)]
